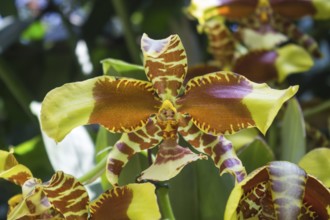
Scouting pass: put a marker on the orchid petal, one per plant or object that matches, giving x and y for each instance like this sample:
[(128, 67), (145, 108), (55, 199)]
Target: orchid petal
[(273, 64), (232, 9), (322, 9), (128, 102), (133, 201), (221, 42), (224, 103), (165, 63), (256, 40), (317, 163), (170, 160), (67, 196), (280, 190), (218, 148), (11, 170), (128, 145), (293, 9)]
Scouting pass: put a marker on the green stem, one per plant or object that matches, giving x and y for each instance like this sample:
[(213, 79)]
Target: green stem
[(317, 109), (129, 36), (94, 173), (15, 86), (164, 203)]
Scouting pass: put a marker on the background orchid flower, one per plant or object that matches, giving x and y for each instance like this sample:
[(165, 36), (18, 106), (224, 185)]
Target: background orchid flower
[(61, 196), (266, 16), (229, 52), (280, 190), (154, 113)]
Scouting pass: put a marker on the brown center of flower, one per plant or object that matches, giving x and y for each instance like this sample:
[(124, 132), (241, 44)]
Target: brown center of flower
[(167, 119)]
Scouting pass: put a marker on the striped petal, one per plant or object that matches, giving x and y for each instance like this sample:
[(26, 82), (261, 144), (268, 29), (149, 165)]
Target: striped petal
[(11, 170), (170, 160), (287, 27), (218, 148), (133, 201), (224, 103), (221, 42), (120, 105), (273, 64), (280, 190), (128, 145), (165, 63), (67, 196)]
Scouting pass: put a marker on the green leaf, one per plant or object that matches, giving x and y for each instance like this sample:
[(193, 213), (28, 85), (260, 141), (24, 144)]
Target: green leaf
[(243, 137), (255, 155), (317, 163), (113, 67), (199, 192), (293, 136)]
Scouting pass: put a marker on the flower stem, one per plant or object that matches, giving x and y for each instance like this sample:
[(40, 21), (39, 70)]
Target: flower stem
[(164, 202), (129, 36), (95, 172), (317, 109)]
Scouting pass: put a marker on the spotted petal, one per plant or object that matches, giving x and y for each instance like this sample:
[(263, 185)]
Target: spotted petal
[(165, 63), (273, 64), (133, 201), (280, 190), (11, 170), (120, 105), (128, 145), (224, 103), (218, 148), (170, 160), (67, 196)]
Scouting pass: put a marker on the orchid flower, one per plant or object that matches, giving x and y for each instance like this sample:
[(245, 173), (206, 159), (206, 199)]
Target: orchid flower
[(64, 197), (279, 190), (266, 16), (156, 112)]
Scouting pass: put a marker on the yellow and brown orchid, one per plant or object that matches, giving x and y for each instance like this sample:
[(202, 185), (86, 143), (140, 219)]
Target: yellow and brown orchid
[(64, 197), (154, 113), (279, 190), (264, 16)]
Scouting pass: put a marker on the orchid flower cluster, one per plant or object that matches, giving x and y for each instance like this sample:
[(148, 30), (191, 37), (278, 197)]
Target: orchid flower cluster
[(156, 113)]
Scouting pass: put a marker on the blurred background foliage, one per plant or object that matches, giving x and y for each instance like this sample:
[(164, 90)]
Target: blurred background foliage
[(46, 43)]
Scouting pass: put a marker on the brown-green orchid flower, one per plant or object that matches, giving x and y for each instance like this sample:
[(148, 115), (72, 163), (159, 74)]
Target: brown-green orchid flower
[(61, 196), (265, 16), (154, 113), (279, 190), (64, 197)]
